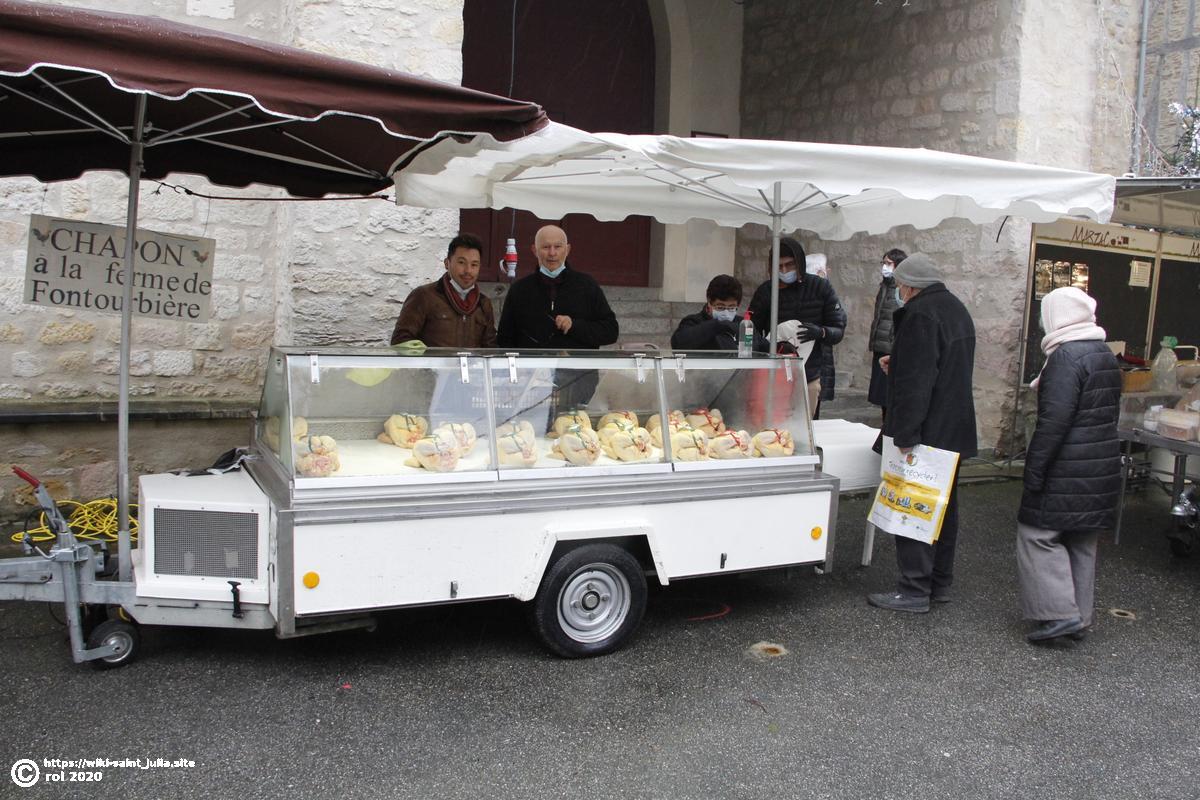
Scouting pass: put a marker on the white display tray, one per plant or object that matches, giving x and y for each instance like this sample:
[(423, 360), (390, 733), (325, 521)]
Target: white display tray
[(367, 462), (742, 463), (547, 467)]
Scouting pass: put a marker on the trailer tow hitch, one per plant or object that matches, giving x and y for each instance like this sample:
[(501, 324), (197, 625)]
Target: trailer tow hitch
[(237, 599)]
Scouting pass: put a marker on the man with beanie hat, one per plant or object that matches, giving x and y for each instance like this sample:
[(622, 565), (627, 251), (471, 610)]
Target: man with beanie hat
[(930, 402), (809, 310)]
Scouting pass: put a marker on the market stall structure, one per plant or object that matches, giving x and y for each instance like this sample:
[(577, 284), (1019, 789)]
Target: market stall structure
[(270, 546)]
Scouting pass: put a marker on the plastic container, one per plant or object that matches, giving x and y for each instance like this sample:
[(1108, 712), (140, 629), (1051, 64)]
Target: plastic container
[(746, 337), (1163, 367), (1181, 425), (1150, 419)]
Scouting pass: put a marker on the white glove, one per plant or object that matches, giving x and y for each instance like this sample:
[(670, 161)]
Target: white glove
[(788, 331)]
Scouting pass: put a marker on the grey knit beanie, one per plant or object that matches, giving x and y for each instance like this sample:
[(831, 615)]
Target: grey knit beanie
[(917, 271)]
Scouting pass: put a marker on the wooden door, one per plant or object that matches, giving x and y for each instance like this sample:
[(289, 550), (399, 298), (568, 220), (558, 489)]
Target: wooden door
[(590, 65)]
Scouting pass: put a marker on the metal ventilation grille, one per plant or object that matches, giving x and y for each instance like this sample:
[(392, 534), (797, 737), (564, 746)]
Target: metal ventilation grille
[(219, 544)]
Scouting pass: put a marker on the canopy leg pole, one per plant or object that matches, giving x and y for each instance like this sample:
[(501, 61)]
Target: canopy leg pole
[(776, 224), (124, 556)]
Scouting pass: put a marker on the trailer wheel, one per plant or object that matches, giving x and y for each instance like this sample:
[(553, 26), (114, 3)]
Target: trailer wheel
[(116, 632), (1181, 543), (591, 599)]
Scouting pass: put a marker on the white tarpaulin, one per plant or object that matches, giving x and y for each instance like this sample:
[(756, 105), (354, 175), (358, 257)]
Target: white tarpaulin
[(831, 190)]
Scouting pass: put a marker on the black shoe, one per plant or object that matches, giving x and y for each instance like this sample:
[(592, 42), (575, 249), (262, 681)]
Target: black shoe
[(941, 597), (1054, 628), (1079, 635), (894, 601)]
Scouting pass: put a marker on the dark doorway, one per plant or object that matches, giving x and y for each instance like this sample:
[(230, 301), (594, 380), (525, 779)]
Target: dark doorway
[(590, 65)]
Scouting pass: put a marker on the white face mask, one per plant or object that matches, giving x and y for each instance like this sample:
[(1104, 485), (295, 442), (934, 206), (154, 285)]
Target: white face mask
[(789, 277), (461, 291), (553, 274), (724, 314), (886, 270)]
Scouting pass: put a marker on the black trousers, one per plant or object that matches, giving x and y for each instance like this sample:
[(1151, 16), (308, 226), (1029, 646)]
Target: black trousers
[(927, 569)]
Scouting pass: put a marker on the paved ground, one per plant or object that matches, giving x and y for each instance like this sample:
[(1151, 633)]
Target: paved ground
[(461, 702)]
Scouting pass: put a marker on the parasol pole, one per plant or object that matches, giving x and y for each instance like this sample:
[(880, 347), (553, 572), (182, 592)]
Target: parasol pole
[(776, 224), (124, 560)]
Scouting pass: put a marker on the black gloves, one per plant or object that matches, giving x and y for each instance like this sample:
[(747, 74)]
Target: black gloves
[(809, 332)]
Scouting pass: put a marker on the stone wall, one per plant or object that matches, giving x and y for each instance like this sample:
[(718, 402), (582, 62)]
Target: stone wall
[(980, 77), (291, 274), (1172, 76)]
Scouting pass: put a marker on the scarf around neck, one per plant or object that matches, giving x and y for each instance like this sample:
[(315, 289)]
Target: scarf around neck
[(1078, 332), (464, 305)]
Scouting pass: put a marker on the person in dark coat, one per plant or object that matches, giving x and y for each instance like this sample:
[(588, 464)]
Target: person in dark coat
[(715, 327), (880, 338), (450, 312), (818, 264), (558, 308), (929, 373), (1072, 468), (810, 303)]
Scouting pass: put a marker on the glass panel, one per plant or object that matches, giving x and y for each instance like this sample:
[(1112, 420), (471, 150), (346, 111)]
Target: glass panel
[(274, 424), (388, 416), (734, 409), (552, 415)]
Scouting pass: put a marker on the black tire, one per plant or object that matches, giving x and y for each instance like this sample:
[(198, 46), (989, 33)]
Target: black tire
[(119, 632), (590, 601)]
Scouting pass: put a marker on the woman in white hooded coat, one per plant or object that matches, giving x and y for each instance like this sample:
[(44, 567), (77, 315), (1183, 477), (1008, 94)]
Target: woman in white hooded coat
[(1072, 469)]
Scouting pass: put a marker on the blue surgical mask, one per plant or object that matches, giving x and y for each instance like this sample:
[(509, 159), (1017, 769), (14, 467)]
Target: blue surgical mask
[(724, 314), (899, 298), (553, 274), (789, 277)]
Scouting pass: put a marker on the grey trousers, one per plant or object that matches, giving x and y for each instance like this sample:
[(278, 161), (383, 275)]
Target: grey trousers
[(1057, 570)]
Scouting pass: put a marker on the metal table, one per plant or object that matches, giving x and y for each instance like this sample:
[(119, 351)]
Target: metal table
[(1180, 449)]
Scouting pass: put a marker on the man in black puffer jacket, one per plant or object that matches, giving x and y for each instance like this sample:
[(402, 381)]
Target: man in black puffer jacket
[(1072, 468), (931, 402), (811, 302)]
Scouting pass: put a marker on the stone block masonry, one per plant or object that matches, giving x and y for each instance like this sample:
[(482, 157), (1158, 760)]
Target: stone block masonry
[(993, 78)]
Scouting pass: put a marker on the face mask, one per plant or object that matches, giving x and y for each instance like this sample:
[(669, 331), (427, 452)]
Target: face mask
[(461, 291), (789, 277), (899, 298), (724, 314), (553, 274), (886, 270)]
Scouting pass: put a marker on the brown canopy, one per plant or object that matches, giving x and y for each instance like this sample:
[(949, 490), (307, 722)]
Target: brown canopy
[(233, 109)]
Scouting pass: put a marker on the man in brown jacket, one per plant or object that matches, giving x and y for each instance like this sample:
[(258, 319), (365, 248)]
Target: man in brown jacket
[(451, 311)]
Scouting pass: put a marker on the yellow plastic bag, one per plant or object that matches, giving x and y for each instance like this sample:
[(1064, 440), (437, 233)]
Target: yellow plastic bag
[(914, 489)]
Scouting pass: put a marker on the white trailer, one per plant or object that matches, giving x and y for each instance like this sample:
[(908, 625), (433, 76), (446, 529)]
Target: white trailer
[(496, 477)]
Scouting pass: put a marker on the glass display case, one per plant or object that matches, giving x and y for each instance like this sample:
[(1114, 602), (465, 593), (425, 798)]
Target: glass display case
[(350, 417), (725, 411)]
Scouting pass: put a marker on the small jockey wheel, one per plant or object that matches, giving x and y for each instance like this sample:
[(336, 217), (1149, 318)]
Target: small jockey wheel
[(120, 634), (1186, 515)]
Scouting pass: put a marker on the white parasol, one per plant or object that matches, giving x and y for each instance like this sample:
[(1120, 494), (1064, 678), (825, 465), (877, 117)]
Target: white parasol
[(831, 190)]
